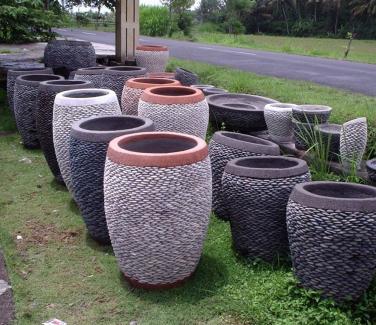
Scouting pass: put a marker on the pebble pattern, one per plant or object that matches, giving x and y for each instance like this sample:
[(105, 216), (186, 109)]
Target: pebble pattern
[(95, 78), (152, 61), (372, 172), (130, 99), (310, 117), (279, 124), (186, 78)]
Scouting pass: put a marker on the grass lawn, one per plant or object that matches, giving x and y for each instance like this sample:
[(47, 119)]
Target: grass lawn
[(57, 271)]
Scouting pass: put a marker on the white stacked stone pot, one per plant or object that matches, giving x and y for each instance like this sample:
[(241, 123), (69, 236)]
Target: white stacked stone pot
[(93, 74), (152, 57)]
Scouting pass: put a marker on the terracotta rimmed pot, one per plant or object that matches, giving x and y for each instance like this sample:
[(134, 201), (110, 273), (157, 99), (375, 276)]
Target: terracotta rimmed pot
[(168, 75), (371, 169), (25, 106), (89, 141), (316, 114), (74, 105), (11, 81), (186, 77), (238, 112), (114, 78), (93, 74), (176, 109), (331, 230), (47, 91), (66, 56), (278, 118), (328, 136), (225, 146), (152, 57), (134, 88), (157, 194), (256, 191), (304, 134)]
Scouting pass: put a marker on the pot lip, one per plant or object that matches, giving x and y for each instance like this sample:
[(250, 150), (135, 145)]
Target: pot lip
[(210, 89), (21, 71), (90, 70), (371, 164), (357, 120), (302, 195), (299, 168), (261, 146), (147, 82), (21, 79), (202, 86), (149, 95), (70, 84), (125, 70), (312, 109), (107, 97), (152, 48), (70, 42), (168, 75), (79, 132), (329, 128), (180, 69), (280, 107), (131, 158)]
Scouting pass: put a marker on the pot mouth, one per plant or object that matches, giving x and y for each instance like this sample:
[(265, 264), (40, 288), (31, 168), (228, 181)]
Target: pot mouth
[(29, 69), (85, 96), (201, 87), (240, 105), (143, 83), (91, 68), (371, 164), (70, 42), (311, 109), (150, 47), (124, 68), (37, 78), (65, 82), (357, 120), (214, 90), (234, 101), (282, 107), (329, 128), (157, 149), (185, 70), (172, 95)]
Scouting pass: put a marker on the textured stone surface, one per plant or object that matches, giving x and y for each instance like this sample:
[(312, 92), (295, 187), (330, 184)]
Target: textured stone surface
[(186, 78), (129, 100), (279, 124), (95, 78), (153, 61)]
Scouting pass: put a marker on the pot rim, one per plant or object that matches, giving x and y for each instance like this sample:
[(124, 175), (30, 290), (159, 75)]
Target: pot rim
[(152, 48), (202, 86), (23, 81), (147, 82), (107, 97), (151, 95), (329, 128), (90, 70), (70, 42), (185, 70), (371, 164), (21, 71), (125, 70), (280, 107), (123, 156), (65, 84), (312, 108), (359, 119), (222, 90)]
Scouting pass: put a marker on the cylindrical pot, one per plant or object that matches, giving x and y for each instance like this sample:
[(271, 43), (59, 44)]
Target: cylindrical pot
[(25, 106), (168, 75), (331, 229), (114, 78), (213, 91), (278, 118), (304, 134), (315, 114), (256, 191), (176, 109), (328, 137), (74, 105), (186, 77), (152, 57), (225, 146), (134, 88), (93, 74), (157, 194), (66, 56), (88, 146), (371, 169), (45, 106)]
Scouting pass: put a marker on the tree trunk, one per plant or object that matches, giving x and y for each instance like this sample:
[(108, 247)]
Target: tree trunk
[(338, 7), (286, 20)]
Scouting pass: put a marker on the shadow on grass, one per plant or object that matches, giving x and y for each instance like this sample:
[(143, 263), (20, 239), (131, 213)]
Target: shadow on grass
[(97, 246), (57, 186)]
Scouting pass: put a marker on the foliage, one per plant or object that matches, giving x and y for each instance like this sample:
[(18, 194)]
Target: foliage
[(110, 4), (154, 20), (184, 21)]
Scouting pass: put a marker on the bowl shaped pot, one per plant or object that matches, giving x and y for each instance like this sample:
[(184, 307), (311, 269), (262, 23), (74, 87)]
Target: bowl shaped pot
[(225, 146), (157, 194), (152, 57), (331, 230), (328, 136), (92, 74), (278, 118), (88, 147), (371, 169), (186, 77), (315, 114)]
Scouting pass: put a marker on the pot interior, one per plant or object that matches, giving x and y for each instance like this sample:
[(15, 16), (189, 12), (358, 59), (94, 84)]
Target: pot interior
[(93, 68), (154, 81), (40, 77), (245, 138), (125, 68), (313, 108), (86, 94), (340, 190), (267, 163), (173, 91), (27, 69), (66, 82), (240, 105), (112, 123)]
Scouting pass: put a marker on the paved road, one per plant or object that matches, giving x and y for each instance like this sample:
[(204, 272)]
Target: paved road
[(357, 77)]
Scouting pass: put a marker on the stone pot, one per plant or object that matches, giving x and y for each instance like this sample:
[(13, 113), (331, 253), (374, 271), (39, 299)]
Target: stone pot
[(278, 118), (256, 191), (152, 57), (134, 88), (93, 74), (186, 77), (304, 134), (315, 114), (213, 91), (329, 138), (238, 112), (25, 106), (371, 169), (47, 91), (225, 146), (202, 87), (66, 56), (88, 147), (157, 195), (74, 105), (176, 109), (331, 229), (168, 75)]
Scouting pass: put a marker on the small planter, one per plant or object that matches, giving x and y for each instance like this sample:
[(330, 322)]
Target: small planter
[(45, 104), (74, 105), (316, 114), (134, 88), (66, 56), (186, 77), (304, 134), (93, 74), (88, 146), (371, 169), (225, 146), (114, 78), (157, 194), (25, 106), (329, 136), (256, 192), (278, 118), (214, 91), (152, 57), (176, 109), (167, 75), (331, 230)]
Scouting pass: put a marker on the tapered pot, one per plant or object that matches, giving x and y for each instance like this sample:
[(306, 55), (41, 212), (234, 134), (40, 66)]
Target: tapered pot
[(225, 146), (134, 88), (329, 138), (153, 58), (186, 77), (315, 114), (88, 146), (92, 74), (25, 106), (71, 106), (331, 230), (371, 169), (278, 118), (304, 134), (175, 109), (256, 191), (157, 194), (47, 92)]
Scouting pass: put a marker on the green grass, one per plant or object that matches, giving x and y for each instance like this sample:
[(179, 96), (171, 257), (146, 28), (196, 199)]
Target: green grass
[(57, 271)]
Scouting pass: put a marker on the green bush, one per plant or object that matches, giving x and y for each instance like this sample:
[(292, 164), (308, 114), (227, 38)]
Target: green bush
[(154, 20), (208, 28), (184, 22)]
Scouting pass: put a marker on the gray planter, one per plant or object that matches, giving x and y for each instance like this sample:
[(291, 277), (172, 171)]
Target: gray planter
[(371, 169), (92, 74), (153, 58), (278, 118), (316, 114), (331, 230), (186, 77), (304, 134), (213, 91), (329, 137)]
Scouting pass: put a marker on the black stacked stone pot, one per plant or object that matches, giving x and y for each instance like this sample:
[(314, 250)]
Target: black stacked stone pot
[(371, 169), (304, 134), (93, 74), (328, 136), (186, 77)]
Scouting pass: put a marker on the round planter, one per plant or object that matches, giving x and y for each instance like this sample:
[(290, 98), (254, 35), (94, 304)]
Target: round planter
[(316, 114), (89, 141), (214, 91), (168, 75), (93, 74), (225, 146), (304, 135), (66, 56), (331, 230), (371, 169), (186, 77), (25, 106), (238, 112), (152, 57), (176, 109), (157, 195), (71, 106), (134, 88), (278, 118), (114, 78), (47, 91), (328, 136), (256, 191), (202, 87)]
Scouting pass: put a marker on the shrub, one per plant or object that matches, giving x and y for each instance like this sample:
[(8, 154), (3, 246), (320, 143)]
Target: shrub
[(154, 20), (184, 22)]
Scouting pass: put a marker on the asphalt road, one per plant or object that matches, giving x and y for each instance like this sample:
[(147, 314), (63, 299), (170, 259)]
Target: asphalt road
[(357, 77)]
